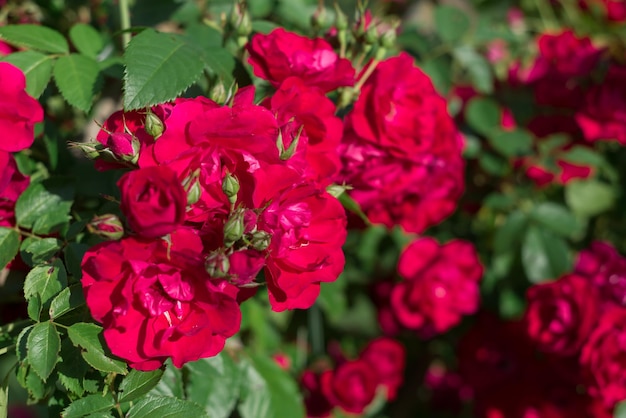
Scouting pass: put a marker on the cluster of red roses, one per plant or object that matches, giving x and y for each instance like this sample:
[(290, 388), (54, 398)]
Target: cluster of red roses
[(570, 101), (352, 385), (571, 336)]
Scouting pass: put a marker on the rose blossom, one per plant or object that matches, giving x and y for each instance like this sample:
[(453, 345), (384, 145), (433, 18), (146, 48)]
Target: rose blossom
[(603, 114), (387, 358), (153, 201), (282, 54), (12, 185), (155, 300), (440, 285), (19, 112), (561, 314), (351, 386), (401, 151), (602, 357), (316, 403)]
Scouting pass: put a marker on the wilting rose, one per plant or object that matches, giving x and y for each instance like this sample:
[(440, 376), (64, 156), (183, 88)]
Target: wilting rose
[(155, 301), (561, 314), (19, 112), (440, 285), (153, 201), (282, 54)]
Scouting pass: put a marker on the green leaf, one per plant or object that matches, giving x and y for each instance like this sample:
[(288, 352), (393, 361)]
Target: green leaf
[(78, 78), (351, 205), (9, 245), (159, 67), (544, 255), (88, 405), (69, 299), (37, 68), (620, 410), (87, 336), (451, 23), (162, 407), (138, 383), (4, 398), (556, 218), (72, 368), (20, 348), (512, 143), (46, 281), (73, 255), (36, 37), (439, 69), (171, 383), (588, 198), (508, 236), (268, 391), (483, 115), (44, 207), (39, 250), (477, 67), (43, 347), (263, 26), (86, 39), (214, 384)]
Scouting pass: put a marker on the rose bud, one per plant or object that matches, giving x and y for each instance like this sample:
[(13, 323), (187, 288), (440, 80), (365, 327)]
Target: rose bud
[(154, 125), (230, 187), (234, 228), (217, 264), (106, 226)]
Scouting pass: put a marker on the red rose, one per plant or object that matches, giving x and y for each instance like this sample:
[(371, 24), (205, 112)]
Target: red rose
[(603, 114), (12, 184), (602, 357), (440, 285), (282, 54), (387, 358), (19, 112), (307, 228), (155, 300), (567, 54), (561, 314), (351, 386), (316, 403), (153, 201), (306, 114), (603, 266), (401, 151)]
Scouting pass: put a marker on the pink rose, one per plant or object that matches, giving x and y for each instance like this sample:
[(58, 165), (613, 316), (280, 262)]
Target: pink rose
[(351, 386), (155, 300), (561, 314), (19, 112), (602, 357), (282, 54), (153, 201), (440, 285), (387, 358)]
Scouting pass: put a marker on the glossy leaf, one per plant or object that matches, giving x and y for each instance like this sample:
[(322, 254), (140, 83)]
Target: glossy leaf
[(9, 245), (43, 348), (36, 37)]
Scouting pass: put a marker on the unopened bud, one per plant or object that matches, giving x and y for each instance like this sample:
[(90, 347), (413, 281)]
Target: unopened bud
[(371, 35), (239, 20), (218, 93), (341, 21), (107, 226), (217, 264), (154, 125), (318, 20), (124, 146), (230, 187), (234, 228), (260, 240), (90, 149), (194, 193), (286, 154), (388, 38)]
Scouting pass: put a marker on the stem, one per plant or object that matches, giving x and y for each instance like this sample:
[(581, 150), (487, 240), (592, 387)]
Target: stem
[(27, 234), (125, 21), (316, 330), (368, 72)]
